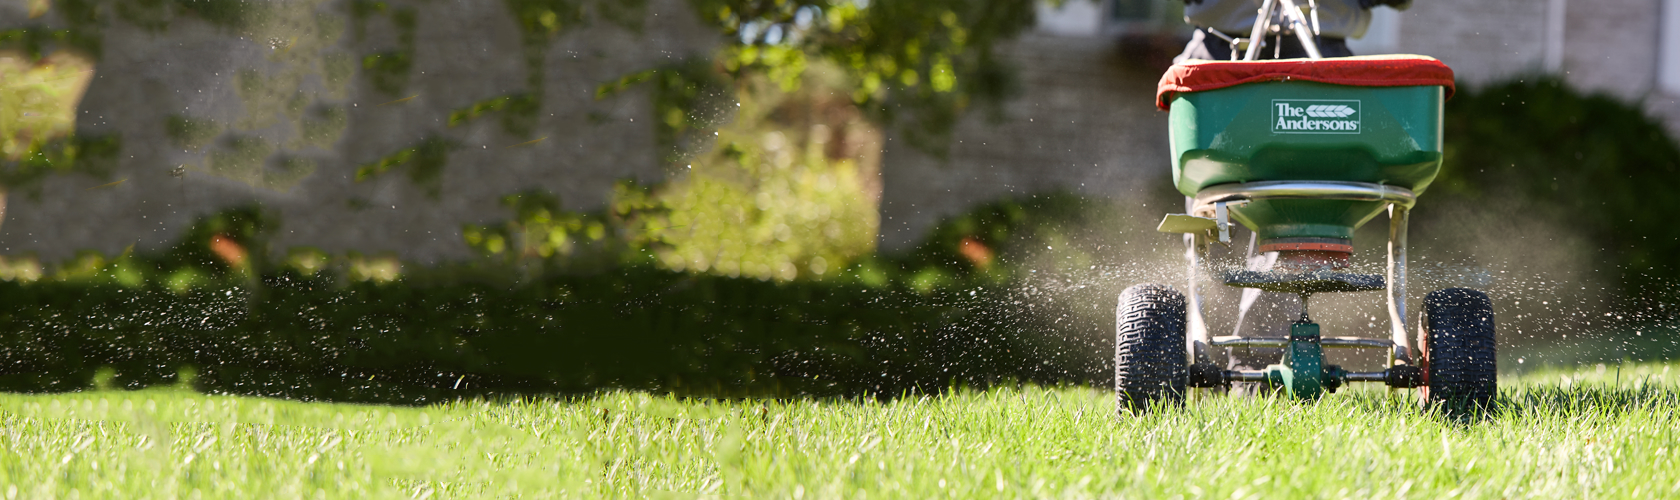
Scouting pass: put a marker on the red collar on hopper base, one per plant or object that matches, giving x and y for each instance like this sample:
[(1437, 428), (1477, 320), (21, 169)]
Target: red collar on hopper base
[(1362, 71)]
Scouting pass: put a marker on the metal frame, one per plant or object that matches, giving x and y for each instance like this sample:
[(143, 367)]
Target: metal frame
[(1263, 376), (1304, 31), (1213, 203), (1206, 201), (1342, 342), (1398, 218)]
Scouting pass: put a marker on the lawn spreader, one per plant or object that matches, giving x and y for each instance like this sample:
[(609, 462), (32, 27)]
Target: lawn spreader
[(1302, 152)]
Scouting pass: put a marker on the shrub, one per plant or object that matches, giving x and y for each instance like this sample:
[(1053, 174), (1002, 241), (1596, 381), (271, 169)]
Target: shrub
[(304, 329), (1600, 163)]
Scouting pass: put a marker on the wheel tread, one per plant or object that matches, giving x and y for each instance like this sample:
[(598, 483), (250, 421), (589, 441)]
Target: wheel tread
[(1462, 371), (1149, 352)]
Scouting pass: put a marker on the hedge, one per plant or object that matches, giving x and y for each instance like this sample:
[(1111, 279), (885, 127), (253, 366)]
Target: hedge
[(916, 324)]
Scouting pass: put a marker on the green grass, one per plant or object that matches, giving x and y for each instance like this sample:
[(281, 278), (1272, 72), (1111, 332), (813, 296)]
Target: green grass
[(1562, 434)]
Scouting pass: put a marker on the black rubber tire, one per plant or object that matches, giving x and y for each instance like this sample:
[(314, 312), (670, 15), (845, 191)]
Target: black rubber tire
[(1149, 348), (1460, 372)]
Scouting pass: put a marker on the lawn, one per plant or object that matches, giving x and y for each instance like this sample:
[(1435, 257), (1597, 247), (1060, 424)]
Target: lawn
[(1592, 433)]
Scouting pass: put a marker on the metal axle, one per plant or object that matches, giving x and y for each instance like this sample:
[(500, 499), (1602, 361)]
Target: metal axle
[(1341, 342), (1208, 218), (1399, 378), (1302, 371), (1263, 376)]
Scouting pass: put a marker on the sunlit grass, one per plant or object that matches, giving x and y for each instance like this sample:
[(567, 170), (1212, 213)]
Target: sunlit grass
[(1584, 437)]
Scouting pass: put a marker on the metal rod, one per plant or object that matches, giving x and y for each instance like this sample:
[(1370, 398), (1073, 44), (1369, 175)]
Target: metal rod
[(1324, 190), (1234, 341), (1313, 5), (1262, 19), (1356, 342), (1301, 29), (1398, 216), (1339, 342), (1367, 376), (1261, 376), (1196, 341)]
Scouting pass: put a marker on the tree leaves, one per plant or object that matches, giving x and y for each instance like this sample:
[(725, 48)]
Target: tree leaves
[(915, 66)]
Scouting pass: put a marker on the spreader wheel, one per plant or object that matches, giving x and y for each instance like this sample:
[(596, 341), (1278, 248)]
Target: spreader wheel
[(1149, 348), (1460, 374)]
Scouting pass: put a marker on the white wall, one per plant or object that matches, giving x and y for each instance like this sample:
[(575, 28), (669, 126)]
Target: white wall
[(1668, 48), (1382, 37), (1072, 18)]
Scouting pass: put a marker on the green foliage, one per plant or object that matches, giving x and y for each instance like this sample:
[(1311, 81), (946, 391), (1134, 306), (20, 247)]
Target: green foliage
[(89, 17), (286, 171), (246, 227), (541, 230), (409, 340), (685, 96), (423, 161), (81, 13), (916, 65), (241, 157), (519, 113), (349, 328), (323, 126), (35, 41), (336, 70), (191, 133), (231, 14), (217, 252), (81, 153), (302, 43), (38, 99), (151, 15), (785, 190), (361, 11), (1597, 163), (983, 242), (388, 71), (540, 20)]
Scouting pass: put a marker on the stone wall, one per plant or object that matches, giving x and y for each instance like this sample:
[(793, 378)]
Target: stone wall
[(1482, 40), (272, 122), (1085, 121)]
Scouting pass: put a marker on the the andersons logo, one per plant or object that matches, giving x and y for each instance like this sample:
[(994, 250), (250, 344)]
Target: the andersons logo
[(1315, 116)]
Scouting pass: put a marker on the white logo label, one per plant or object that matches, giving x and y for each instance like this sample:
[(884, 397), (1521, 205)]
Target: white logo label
[(1315, 116)]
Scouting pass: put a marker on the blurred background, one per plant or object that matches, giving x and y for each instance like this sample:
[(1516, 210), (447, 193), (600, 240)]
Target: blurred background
[(739, 196)]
